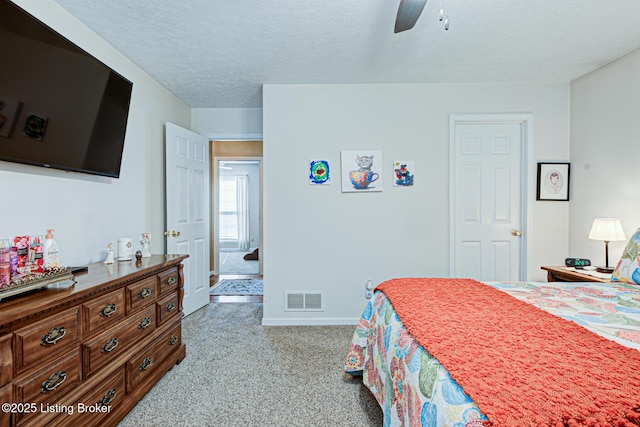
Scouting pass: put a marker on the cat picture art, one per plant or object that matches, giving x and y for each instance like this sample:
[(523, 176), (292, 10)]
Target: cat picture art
[(365, 162), (360, 171)]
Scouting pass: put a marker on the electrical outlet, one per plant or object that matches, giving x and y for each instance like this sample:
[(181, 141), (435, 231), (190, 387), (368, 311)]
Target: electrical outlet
[(368, 294)]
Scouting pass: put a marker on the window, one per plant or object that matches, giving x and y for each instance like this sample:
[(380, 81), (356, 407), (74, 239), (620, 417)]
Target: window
[(228, 209)]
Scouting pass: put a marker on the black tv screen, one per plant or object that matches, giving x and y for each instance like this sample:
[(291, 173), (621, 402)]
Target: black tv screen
[(59, 106)]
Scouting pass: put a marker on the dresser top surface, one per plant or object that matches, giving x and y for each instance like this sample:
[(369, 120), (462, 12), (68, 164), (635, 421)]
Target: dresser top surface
[(99, 278)]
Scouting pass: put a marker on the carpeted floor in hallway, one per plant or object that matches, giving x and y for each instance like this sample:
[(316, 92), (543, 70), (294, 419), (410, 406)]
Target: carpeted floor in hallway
[(233, 262)]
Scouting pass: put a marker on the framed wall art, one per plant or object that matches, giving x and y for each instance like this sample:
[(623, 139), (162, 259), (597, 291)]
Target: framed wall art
[(553, 181), (403, 173), (361, 171), (319, 172)]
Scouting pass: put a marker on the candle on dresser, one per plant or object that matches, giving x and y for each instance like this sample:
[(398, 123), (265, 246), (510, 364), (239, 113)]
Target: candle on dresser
[(125, 248)]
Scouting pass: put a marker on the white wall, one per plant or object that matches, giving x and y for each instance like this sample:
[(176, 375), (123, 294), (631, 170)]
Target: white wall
[(317, 238), (605, 149), (87, 211), (227, 123)]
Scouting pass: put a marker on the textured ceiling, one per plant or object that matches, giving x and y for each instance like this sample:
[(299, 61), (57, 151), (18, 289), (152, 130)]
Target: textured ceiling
[(218, 53)]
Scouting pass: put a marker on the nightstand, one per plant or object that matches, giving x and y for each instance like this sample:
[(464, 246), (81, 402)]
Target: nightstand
[(570, 274)]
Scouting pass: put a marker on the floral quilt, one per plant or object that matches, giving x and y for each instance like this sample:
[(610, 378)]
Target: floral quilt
[(414, 389)]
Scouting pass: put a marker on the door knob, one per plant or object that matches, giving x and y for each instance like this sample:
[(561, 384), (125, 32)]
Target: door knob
[(516, 233), (172, 233)]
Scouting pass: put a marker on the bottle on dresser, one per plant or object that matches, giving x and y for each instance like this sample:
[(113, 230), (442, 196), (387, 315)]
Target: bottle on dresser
[(21, 243), (5, 264), (51, 251), (36, 254)]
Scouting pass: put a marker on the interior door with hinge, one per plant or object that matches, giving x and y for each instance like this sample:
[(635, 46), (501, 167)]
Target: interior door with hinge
[(487, 200), (187, 210)]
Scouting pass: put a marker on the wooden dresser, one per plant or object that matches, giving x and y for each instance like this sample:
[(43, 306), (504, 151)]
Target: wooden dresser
[(85, 355)]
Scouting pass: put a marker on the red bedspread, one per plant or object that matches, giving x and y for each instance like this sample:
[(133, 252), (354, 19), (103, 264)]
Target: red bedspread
[(522, 366)]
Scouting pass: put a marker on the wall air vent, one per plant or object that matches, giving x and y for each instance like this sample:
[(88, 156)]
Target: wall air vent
[(303, 301)]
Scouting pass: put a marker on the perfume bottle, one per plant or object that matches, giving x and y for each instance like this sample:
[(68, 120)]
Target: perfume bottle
[(36, 255), (5, 265), (13, 261)]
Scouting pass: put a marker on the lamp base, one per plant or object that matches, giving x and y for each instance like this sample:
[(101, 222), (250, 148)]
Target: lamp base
[(605, 269)]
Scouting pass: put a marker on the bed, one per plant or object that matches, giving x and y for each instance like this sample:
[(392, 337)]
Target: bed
[(416, 388)]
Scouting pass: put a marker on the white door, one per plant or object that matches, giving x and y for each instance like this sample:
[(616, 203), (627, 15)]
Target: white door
[(487, 200), (187, 210)]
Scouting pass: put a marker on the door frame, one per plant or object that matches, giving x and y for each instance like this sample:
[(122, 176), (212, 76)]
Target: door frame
[(215, 230), (527, 183)]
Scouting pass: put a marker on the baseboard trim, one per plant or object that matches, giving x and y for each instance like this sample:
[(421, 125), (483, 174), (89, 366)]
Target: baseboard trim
[(317, 321)]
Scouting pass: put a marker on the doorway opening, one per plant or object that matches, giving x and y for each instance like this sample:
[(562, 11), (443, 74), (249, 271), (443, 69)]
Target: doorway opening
[(236, 222), (238, 217)]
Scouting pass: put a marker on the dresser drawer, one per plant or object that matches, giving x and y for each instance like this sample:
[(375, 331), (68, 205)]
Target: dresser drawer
[(5, 397), (110, 344), (167, 307), (142, 365), (6, 360), (46, 338), (109, 393), (168, 281), (104, 311), (103, 398), (49, 384), (141, 293)]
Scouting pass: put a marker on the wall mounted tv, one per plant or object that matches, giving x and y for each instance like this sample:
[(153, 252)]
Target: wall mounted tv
[(59, 106)]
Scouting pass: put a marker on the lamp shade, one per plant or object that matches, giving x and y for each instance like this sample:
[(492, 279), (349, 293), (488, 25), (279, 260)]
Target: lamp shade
[(607, 229)]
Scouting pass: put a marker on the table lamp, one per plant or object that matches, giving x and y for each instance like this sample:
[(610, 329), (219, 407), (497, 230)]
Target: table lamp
[(607, 230)]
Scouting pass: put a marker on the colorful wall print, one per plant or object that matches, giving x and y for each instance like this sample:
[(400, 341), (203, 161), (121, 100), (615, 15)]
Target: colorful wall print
[(403, 173), (319, 172), (361, 171)]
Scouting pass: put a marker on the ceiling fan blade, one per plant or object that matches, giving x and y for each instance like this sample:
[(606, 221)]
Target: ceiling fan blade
[(408, 13)]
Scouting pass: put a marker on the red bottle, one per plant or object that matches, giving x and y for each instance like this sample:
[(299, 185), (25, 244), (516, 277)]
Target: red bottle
[(36, 255)]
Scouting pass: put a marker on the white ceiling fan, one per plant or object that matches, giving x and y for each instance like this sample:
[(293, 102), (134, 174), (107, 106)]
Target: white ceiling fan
[(409, 11)]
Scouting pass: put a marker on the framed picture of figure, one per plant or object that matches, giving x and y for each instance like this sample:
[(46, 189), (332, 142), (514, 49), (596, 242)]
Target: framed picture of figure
[(553, 181)]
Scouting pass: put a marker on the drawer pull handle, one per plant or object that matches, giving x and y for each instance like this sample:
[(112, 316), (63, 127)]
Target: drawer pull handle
[(54, 335), (171, 280), (145, 323), (145, 293), (146, 363), (54, 381), (108, 310), (108, 397), (173, 339), (171, 306), (110, 345)]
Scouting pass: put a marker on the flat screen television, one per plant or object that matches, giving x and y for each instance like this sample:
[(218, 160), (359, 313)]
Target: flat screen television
[(59, 106)]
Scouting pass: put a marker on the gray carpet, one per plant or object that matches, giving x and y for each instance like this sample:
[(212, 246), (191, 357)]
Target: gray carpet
[(233, 262), (239, 373)]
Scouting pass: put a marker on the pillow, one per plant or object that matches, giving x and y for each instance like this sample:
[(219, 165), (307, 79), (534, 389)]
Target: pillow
[(628, 268)]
